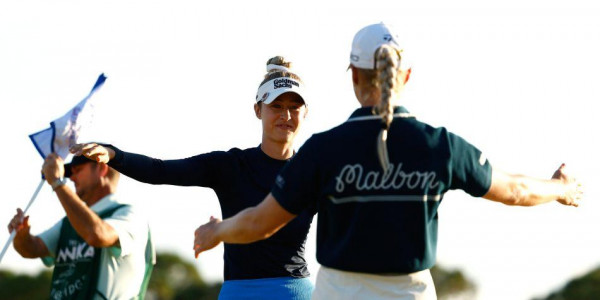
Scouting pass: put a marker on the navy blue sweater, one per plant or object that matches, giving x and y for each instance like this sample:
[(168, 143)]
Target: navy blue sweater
[(241, 179), (372, 221)]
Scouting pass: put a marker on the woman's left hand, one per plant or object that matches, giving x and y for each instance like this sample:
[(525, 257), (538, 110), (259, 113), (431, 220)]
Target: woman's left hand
[(205, 237)]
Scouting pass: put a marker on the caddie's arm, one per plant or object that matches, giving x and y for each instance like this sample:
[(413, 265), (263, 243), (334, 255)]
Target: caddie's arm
[(27, 245), (88, 225), (527, 191)]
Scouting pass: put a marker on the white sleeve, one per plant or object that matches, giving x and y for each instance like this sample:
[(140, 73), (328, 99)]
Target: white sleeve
[(50, 238), (132, 229)]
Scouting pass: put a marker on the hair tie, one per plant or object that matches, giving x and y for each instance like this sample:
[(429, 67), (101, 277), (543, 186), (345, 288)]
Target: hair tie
[(271, 67)]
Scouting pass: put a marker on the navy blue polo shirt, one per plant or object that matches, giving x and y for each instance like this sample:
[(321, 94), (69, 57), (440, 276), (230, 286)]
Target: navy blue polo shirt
[(241, 179), (373, 222)]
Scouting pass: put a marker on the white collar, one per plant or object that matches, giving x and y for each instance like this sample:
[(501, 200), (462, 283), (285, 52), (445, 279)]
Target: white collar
[(106, 202), (374, 117)]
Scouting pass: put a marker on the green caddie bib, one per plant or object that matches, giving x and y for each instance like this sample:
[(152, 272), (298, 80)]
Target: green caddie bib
[(77, 264)]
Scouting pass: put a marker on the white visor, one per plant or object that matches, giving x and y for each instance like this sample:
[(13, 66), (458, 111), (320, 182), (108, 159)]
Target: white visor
[(273, 88)]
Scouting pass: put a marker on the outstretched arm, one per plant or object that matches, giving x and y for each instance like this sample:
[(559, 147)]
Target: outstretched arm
[(527, 191), (199, 170), (249, 225)]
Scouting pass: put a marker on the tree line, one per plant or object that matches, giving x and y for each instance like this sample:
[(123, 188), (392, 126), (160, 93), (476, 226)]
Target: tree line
[(174, 278)]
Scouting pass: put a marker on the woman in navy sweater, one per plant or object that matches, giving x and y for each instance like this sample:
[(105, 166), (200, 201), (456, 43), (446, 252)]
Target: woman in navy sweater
[(274, 268)]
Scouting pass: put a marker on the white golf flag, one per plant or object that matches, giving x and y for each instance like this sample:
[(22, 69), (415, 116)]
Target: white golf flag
[(63, 132), (61, 135)]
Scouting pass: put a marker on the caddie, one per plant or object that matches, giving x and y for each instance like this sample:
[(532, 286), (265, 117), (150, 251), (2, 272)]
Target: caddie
[(102, 249)]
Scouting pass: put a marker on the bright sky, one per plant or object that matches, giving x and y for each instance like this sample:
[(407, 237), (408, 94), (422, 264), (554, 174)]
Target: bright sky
[(518, 79)]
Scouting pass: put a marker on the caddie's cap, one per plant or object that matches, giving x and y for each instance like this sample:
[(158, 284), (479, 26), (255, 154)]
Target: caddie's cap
[(77, 160)]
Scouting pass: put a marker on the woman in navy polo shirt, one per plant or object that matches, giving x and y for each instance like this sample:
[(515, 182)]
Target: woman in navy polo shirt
[(376, 182), (271, 269)]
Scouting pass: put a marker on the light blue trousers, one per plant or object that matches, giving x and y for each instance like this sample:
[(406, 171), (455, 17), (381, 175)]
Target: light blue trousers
[(280, 288)]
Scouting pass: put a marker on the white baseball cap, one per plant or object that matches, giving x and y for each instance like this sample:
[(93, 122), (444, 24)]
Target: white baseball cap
[(367, 41), (273, 88)]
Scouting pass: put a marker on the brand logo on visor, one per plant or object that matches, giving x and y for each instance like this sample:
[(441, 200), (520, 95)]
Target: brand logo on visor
[(284, 83)]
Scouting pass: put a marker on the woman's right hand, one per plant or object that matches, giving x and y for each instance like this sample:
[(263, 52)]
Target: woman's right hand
[(94, 152), (574, 189)]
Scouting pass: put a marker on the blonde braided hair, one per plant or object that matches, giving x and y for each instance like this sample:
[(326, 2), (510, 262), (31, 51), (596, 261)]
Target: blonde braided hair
[(387, 66)]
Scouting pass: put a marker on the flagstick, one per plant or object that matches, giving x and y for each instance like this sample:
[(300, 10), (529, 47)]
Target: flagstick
[(12, 234)]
